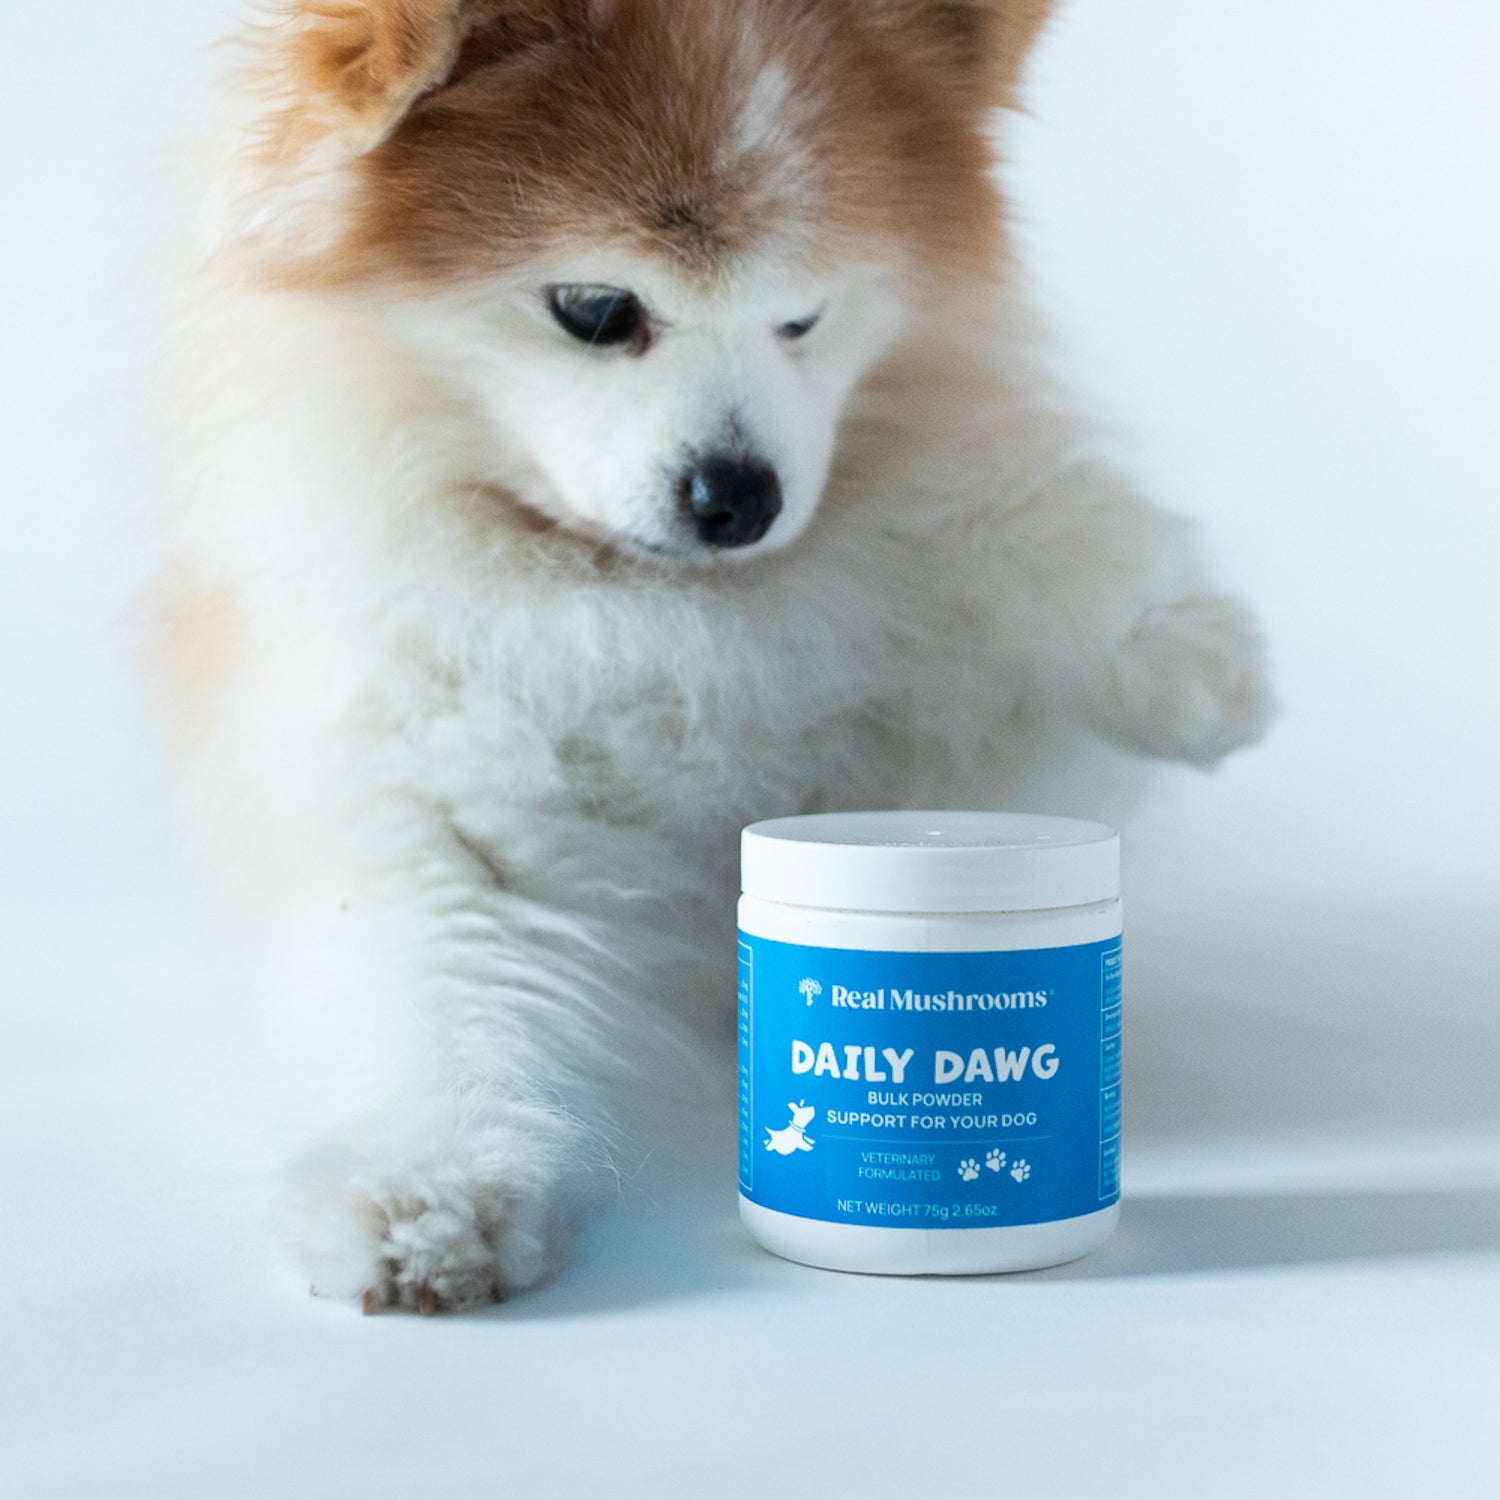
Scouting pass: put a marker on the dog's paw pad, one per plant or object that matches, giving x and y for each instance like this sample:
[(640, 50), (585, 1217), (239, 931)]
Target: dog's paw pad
[(995, 1160), (968, 1169), (1021, 1171)]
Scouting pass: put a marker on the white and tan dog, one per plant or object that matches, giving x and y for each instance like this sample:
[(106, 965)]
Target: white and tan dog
[(600, 424)]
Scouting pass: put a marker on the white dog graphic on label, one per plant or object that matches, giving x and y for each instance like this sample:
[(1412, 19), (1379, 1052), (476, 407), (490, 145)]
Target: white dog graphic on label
[(785, 1142)]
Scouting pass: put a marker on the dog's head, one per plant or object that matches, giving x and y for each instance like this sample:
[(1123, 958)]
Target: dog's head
[(655, 244)]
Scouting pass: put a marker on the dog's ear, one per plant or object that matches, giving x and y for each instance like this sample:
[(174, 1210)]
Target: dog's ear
[(352, 69), (978, 45)]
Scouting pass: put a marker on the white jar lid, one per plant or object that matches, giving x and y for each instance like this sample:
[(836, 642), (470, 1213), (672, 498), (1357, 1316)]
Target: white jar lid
[(930, 862)]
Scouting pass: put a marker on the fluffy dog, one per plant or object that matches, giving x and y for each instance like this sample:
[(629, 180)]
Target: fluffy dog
[(600, 424)]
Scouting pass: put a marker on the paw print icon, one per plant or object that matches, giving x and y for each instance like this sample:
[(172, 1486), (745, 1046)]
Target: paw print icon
[(968, 1169), (1021, 1171), (995, 1160)]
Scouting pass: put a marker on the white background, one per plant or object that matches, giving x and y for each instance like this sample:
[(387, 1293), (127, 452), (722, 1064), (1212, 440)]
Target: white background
[(1269, 231)]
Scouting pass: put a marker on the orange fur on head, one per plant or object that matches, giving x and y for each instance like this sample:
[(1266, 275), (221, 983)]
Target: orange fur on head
[(478, 134)]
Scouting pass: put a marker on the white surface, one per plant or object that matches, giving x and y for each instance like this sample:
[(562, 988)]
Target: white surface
[(1301, 1300), (1270, 229)]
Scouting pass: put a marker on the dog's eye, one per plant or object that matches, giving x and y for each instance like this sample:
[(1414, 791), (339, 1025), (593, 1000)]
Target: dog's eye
[(601, 315), (799, 328)]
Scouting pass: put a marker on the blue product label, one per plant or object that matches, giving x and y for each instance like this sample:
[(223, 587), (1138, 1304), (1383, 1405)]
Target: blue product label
[(930, 1090)]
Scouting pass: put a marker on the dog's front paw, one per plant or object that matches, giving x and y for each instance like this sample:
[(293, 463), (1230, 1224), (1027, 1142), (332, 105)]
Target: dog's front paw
[(1190, 682), (457, 1218)]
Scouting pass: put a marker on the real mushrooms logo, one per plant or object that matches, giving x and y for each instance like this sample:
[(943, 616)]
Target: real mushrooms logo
[(810, 989)]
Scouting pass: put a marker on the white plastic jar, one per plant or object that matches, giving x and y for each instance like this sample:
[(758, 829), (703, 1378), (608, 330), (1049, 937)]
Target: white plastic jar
[(929, 1040)]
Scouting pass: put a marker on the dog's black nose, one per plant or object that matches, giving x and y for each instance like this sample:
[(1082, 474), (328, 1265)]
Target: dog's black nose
[(731, 501)]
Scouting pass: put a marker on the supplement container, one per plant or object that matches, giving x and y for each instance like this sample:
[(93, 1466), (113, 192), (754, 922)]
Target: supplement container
[(929, 1044)]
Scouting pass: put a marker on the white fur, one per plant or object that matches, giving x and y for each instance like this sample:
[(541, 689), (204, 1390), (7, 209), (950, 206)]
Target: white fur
[(478, 788), (598, 438), (766, 137)]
